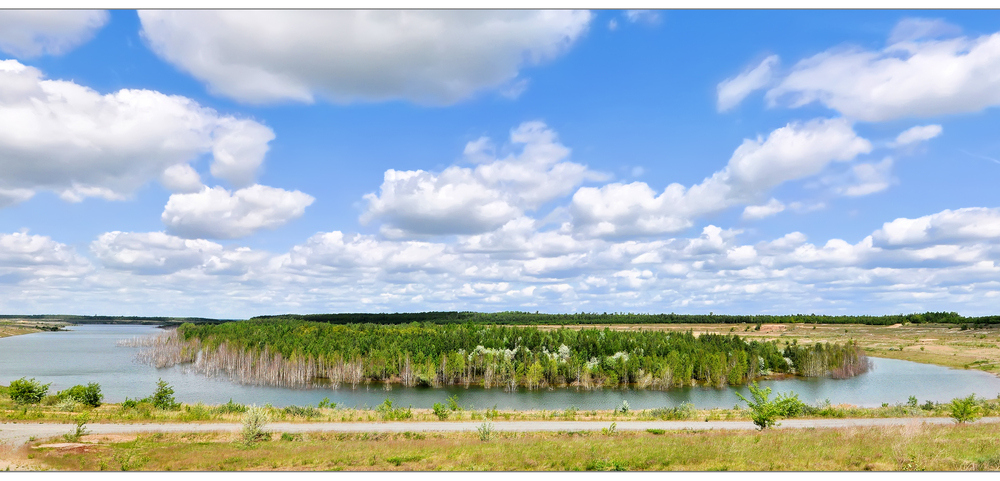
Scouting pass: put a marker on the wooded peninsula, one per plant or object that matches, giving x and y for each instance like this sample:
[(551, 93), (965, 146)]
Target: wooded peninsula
[(294, 353)]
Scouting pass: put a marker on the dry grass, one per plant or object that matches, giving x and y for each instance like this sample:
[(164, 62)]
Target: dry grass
[(907, 448)]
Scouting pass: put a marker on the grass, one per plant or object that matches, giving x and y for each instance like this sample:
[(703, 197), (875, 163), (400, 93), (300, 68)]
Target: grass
[(910, 448)]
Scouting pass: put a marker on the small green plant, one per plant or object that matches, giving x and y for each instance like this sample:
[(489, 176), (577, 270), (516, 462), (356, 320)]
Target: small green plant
[(441, 411), (486, 431), (453, 403), (623, 407), (80, 431), (611, 430), (291, 436), (304, 412), (27, 391), (68, 405), (89, 395), (389, 413), (228, 408), (965, 409), (764, 413), (912, 402), (656, 431), (325, 403), (254, 420), (684, 411), (570, 412)]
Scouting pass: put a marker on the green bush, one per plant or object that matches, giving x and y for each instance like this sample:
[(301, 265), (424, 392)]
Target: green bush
[(230, 408), (964, 409), (389, 413), (441, 411), (684, 411), (305, 412), (89, 395), (486, 431), (27, 391), (163, 398), (765, 413)]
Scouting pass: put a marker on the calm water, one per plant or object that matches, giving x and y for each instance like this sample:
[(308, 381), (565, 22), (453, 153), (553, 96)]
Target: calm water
[(88, 353)]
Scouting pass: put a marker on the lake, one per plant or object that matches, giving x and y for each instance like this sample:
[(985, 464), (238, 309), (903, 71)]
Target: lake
[(88, 353)]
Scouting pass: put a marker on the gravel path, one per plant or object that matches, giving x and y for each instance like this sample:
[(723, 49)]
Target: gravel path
[(19, 433)]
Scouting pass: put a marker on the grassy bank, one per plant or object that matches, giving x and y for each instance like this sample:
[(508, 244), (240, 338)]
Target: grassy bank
[(55, 410), (17, 327), (910, 448)]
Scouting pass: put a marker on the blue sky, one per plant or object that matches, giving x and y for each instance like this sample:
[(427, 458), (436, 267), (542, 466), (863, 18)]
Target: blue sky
[(230, 164)]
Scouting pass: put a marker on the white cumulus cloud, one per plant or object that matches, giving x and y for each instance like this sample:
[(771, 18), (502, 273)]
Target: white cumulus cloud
[(915, 76), (217, 213), (463, 200), (960, 225), (30, 33), (424, 56), (755, 212), (63, 137), (792, 152)]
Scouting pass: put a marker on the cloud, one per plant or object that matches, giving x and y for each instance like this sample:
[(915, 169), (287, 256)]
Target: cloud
[(63, 137), (920, 133), (911, 29), (181, 178), (431, 57), (732, 91), (31, 33), (650, 17), (791, 152), (217, 213), (913, 77), (867, 179), (960, 225), (463, 200), (26, 256), (161, 254), (755, 212)]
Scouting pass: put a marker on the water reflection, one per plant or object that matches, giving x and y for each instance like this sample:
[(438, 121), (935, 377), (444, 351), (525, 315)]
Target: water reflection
[(88, 354)]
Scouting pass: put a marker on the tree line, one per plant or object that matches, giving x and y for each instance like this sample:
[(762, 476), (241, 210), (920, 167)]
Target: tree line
[(292, 352), (529, 318)]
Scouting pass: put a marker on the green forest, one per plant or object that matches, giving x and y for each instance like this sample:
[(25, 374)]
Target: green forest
[(293, 352), (528, 318)]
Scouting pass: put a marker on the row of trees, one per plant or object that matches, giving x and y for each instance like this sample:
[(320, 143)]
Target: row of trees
[(528, 318), (294, 353)]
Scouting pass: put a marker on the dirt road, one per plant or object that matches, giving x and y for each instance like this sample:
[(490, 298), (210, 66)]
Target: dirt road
[(19, 433)]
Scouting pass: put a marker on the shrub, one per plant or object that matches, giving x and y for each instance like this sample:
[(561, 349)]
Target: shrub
[(441, 411), (325, 403), (80, 431), (453, 403), (623, 407), (656, 431), (389, 413), (231, 408), (68, 405), (765, 413), (27, 391), (89, 395), (305, 412), (788, 405), (610, 430), (129, 403), (163, 398), (684, 411), (964, 409), (254, 420), (486, 431)]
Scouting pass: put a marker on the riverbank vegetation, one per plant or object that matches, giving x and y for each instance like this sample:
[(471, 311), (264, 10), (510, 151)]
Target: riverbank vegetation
[(916, 447), (161, 407), (295, 353)]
